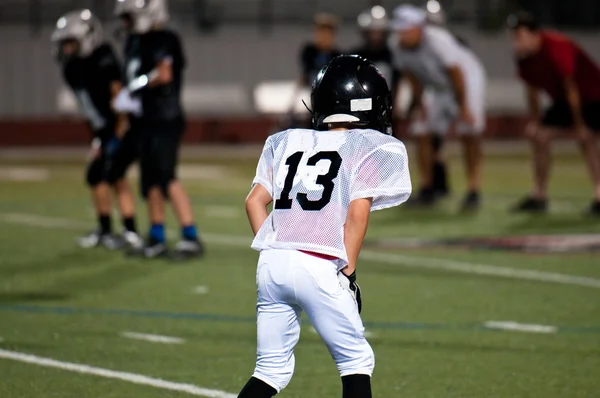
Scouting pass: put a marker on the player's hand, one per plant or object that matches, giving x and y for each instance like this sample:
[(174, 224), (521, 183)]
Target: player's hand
[(125, 103), (348, 282), (466, 116)]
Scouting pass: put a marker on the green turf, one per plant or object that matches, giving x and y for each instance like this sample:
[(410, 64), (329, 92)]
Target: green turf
[(60, 302)]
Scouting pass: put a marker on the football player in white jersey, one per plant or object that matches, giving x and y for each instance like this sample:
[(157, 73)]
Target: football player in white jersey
[(323, 183), (433, 60)]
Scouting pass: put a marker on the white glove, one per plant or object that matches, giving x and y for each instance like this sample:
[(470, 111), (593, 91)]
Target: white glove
[(124, 103)]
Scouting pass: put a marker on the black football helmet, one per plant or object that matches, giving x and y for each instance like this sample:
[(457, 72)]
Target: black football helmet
[(351, 90)]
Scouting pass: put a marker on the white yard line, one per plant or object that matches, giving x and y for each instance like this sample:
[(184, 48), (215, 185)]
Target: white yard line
[(222, 212), (479, 269), (367, 334), (24, 174), (520, 327), (153, 338), (41, 221), (115, 375), (368, 255), (201, 290)]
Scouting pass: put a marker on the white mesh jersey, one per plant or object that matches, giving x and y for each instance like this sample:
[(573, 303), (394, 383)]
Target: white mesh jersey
[(313, 176)]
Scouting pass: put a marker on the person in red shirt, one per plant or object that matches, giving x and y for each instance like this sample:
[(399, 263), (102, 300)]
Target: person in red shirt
[(551, 62)]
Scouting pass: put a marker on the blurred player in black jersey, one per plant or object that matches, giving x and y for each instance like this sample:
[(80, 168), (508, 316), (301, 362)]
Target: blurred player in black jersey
[(313, 56), (154, 63), (374, 27), (93, 72)]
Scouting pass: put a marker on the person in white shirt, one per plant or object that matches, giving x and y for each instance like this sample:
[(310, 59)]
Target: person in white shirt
[(433, 60)]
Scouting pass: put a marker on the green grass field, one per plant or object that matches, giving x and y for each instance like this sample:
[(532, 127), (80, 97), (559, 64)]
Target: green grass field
[(426, 310)]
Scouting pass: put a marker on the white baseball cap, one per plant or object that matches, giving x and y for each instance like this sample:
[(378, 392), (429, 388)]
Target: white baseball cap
[(408, 16)]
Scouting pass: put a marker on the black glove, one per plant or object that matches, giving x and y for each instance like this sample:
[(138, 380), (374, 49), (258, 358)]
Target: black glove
[(349, 283)]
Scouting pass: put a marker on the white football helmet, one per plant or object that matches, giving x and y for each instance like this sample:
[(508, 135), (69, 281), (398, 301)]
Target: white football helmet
[(435, 13), (145, 14), (82, 26), (374, 19)]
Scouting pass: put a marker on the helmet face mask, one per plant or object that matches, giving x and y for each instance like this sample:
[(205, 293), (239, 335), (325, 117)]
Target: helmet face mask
[(351, 91), (140, 16), (77, 34)]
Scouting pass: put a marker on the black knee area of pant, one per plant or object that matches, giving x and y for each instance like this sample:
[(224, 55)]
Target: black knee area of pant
[(114, 176), (94, 174), (437, 142), (356, 386), (256, 388), (162, 183)]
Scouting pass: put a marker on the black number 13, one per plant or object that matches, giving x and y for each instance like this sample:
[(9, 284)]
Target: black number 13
[(326, 180)]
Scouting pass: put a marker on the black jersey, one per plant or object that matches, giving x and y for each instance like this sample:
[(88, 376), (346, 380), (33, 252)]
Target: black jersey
[(90, 78), (312, 60), (143, 53), (382, 58)]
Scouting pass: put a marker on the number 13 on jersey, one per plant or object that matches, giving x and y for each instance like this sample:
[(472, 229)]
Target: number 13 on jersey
[(325, 180)]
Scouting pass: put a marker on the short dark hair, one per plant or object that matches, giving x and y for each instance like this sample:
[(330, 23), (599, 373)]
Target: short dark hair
[(523, 19), (326, 20)]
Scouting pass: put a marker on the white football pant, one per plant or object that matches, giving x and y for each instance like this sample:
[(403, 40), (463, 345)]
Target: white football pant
[(289, 282)]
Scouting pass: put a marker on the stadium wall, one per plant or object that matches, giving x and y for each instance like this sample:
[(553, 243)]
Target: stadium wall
[(232, 62), (222, 130)]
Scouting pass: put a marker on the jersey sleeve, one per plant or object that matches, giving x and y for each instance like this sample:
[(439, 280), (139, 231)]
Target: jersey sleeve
[(109, 65), (384, 176), (167, 47), (446, 47), (264, 170), (563, 56)]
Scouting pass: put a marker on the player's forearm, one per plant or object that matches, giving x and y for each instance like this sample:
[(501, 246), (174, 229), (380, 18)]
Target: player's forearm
[(257, 214), (355, 230), (533, 100), (574, 100), (458, 84), (161, 75), (122, 124)]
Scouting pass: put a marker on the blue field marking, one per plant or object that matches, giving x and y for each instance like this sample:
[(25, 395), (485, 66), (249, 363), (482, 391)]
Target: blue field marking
[(252, 319)]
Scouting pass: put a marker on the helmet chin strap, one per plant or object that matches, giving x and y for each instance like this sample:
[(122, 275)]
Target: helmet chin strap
[(307, 108)]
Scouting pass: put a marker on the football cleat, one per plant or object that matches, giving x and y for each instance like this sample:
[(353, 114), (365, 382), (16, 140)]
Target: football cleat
[(471, 202), (425, 198), (594, 209), (187, 249), (531, 205), (95, 239), (152, 249), (132, 240)]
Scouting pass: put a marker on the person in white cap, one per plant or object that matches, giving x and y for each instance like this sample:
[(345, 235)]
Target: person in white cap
[(431, 58)]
